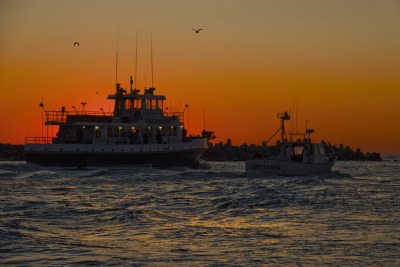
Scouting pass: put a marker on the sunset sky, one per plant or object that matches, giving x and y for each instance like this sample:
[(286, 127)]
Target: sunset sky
[(339, 59)]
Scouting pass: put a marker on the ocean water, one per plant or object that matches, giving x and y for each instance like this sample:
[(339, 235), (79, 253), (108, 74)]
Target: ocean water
[(215, 215)]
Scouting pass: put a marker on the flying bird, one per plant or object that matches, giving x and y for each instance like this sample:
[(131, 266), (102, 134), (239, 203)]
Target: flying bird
[(197, 31), (76, 44)]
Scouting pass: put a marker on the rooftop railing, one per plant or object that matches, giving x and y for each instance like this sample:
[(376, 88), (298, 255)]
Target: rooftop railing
[(55, 117)]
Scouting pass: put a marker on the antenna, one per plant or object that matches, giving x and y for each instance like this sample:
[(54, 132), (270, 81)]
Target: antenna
[(297, 112), (42, 106), (83, 106), (136, 62), (187, 107), (116, 61), (204, 119), (291, 136), (151, 51), (131, 83)]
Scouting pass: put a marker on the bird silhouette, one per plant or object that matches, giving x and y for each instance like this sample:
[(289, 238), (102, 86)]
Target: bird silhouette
[(76, 44), (197, 31)]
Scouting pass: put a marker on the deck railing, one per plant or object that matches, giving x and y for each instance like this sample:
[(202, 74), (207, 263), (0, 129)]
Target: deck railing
[(44, 140), (179, 115)]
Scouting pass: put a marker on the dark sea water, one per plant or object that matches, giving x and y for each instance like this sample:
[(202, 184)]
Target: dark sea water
[(211, 216)]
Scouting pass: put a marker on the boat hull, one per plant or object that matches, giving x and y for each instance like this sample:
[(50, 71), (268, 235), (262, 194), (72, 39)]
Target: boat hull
[(167, 159), (287, 168), (185, 154)]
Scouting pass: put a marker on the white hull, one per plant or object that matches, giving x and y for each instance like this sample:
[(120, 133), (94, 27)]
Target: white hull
[(287, 168)]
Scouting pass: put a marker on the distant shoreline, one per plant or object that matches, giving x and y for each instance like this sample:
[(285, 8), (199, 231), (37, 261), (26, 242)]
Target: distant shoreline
[(222, 152), (229, 152)]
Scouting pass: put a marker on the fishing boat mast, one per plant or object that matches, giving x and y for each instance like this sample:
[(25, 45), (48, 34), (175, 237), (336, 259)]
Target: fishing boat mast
[(283, 117)]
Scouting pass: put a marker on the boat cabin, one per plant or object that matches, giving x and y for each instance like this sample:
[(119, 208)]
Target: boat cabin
[(137, 119), (304, 151)]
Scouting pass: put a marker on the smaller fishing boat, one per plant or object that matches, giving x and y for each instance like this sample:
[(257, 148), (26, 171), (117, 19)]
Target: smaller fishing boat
[(293, 158)]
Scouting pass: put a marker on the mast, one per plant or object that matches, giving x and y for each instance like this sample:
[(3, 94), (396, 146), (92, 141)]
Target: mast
[(42, 106), (297, 112), (116, 60), (291, 134), (283, 117), (204, 118), (136, 63), (131, 83), (151, 51)]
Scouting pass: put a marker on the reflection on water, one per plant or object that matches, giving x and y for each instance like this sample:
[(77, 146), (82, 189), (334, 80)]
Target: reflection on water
[(213, 215)]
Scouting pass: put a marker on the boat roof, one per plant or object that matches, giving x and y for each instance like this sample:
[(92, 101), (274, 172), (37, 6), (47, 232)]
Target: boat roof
[(135, 94)]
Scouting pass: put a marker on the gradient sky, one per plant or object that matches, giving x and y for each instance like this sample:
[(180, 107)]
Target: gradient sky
[(340, 59)]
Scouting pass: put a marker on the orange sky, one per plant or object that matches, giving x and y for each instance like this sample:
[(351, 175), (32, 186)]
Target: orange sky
[(340, 59)]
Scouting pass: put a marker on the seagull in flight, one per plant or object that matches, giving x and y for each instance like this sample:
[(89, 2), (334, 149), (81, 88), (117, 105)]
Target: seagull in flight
[(197, 31), (76, 44)]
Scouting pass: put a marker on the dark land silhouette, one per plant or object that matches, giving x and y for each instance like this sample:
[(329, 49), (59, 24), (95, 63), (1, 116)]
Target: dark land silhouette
[(11, 152), (226, 152)]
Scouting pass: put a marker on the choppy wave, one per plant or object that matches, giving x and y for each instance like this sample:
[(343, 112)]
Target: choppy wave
[(211, 215)]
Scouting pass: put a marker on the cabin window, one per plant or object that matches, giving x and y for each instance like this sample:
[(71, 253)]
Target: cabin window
[(297, 153), (128, 104), (153, 104), (148, 104), (159, 104), (298, 150), (137, 104)]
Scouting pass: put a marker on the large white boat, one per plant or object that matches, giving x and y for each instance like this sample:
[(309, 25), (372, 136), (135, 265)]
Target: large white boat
[(293, 158), (139, 132)]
